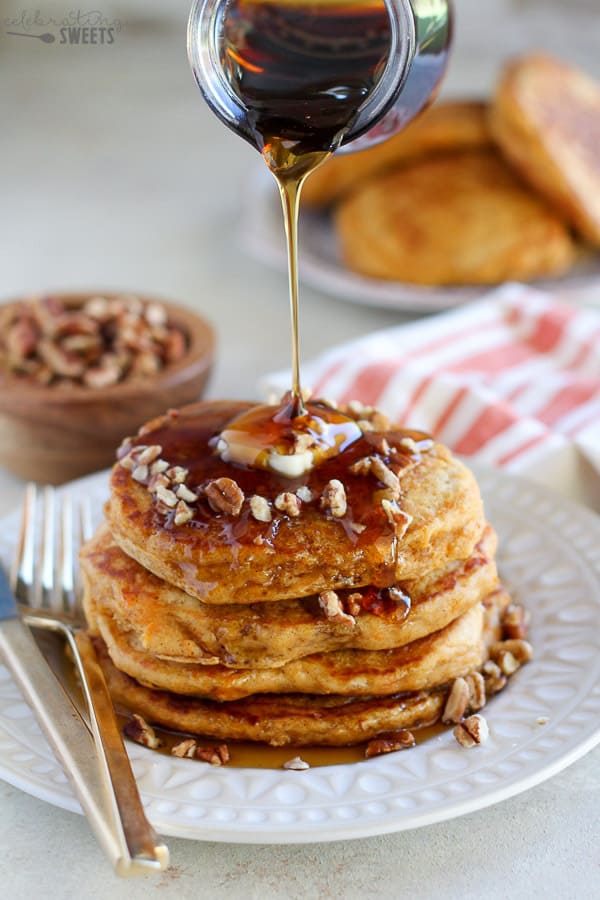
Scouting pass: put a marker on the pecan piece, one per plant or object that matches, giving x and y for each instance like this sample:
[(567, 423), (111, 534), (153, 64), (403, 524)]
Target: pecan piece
[(390, 742), (260, 509), (183, 513), (224, 496), (384, 474), (333, 499), (472, 731), (288, 503), (150, 454), (493, 677), (511, 655), (297, 764), (140, 473), (186, 748), (216, 756), (515, 623), (139, 731), (184, 493), (331, 605), (177, 474), (476, 684), (457, 702)]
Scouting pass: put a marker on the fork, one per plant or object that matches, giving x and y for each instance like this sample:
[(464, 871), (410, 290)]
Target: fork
[(45, 582)]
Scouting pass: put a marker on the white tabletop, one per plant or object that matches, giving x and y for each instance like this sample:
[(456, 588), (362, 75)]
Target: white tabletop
[(115, 175)]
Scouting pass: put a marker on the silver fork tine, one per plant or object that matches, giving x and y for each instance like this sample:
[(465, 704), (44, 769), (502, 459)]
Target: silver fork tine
[(46, 588), (22, 574), (66, 554), (86, 532)]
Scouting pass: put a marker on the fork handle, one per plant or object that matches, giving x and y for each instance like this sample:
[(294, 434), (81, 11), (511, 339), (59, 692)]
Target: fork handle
[(70, 741), (142, 841)]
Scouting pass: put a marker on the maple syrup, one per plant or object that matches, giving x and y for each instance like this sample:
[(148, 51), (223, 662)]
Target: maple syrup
[(303, 72)]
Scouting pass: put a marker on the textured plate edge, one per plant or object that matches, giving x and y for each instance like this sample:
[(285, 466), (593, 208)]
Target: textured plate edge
[(324, 833)]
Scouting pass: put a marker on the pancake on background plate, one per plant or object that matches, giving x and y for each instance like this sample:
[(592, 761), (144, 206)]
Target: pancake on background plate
[(460, 219), (447, 126), (545, 116)]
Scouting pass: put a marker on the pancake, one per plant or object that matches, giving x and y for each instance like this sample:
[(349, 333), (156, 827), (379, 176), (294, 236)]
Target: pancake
[(459, 219), (234, 558), (545, 116), (283, 719), (163, 621), (420, 665), (273, 719), (445, 126)]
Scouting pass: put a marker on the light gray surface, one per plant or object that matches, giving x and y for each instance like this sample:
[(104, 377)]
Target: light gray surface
[(114, 174)]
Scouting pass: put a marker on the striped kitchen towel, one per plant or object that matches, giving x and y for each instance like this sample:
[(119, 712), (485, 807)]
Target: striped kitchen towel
[(510, 380)]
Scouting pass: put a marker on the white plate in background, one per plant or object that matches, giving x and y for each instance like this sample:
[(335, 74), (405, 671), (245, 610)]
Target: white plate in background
[(320, 266)]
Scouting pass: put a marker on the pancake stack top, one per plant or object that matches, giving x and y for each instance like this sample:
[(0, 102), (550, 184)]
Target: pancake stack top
[(236, 603)]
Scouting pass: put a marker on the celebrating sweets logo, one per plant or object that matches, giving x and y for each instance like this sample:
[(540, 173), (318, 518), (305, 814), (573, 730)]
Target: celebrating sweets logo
[(75, 28)]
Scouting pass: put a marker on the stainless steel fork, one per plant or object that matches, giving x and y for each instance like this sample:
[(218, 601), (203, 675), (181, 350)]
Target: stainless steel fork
[(46, 583)]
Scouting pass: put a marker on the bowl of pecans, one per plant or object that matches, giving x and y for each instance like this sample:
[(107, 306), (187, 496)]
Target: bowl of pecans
[(79, 372)]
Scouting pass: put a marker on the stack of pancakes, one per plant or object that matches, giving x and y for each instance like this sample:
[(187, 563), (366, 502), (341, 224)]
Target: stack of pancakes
[(476, 192), (302, 620)]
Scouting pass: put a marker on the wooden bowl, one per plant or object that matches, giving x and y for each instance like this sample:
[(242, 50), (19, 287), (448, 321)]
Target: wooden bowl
[(51, 435)]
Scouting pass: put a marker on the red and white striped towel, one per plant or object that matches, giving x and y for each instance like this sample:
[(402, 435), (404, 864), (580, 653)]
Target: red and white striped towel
[(511, 380)]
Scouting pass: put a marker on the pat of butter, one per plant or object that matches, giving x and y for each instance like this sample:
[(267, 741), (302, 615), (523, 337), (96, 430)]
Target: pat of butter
[(234, 446)]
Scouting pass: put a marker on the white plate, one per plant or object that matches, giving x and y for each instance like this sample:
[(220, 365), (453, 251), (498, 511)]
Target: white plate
[(549, 557), (320, 265)]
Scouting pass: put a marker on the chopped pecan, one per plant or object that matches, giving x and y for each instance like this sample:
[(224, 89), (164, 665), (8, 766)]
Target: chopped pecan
[(476, 684), (166, 496), (140, 473), (59, 361), (362, 466), (184, 493), (150, 454), (333, 499), (331, 605), (384, 474), (21, 338), (186, 748), (390, 742), (177, 474), (260, 509), (383, 447), (511, 655), (297, 764), (396, 516), (105, 374), (288, 503), (358, 410), (457, 702), (224, 496), (472, 731), (216, 756), (159, 467), (183, 513), (515, 623), (353, 604), (305, 494), (493, 677), (155, 314), (157, 481), (139, 731)]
